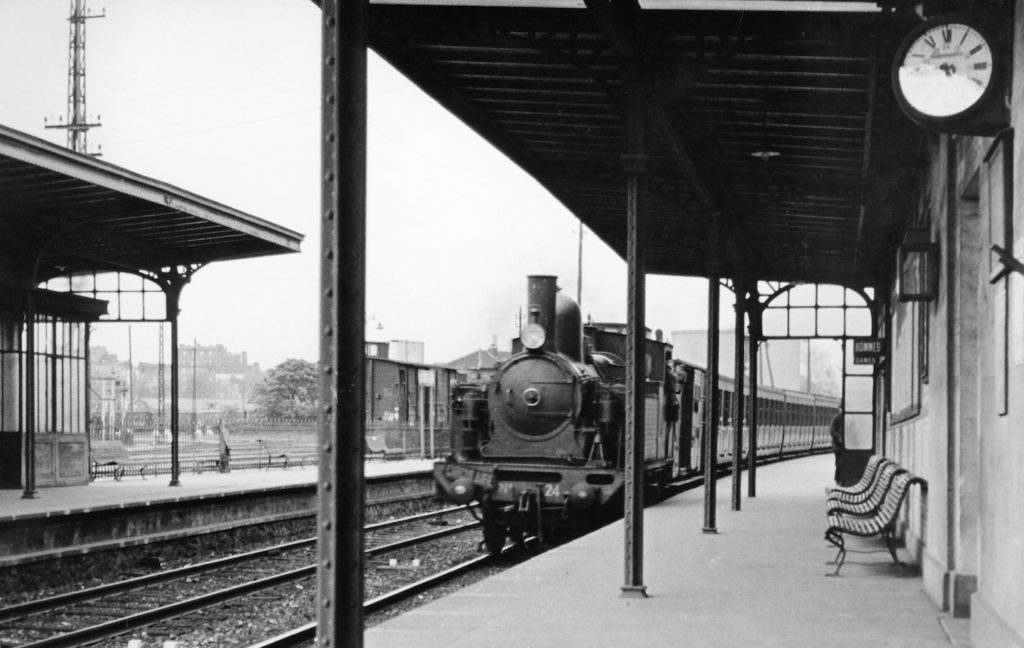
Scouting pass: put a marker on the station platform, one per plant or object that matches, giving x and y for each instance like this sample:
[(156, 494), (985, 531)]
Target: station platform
[(111, 516), (759, 581), (132, 490)]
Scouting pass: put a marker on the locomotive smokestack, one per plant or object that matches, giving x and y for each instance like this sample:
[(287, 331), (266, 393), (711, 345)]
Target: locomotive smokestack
[(541, 291)]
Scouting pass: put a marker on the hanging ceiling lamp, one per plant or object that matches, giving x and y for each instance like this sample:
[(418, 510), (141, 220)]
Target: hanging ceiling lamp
[(765, 152)]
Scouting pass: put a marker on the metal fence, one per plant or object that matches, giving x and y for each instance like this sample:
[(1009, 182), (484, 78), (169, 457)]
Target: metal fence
[(212, 443)]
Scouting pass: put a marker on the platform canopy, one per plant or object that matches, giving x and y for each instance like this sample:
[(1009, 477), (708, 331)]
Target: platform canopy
[(75, 213), (777, 116)]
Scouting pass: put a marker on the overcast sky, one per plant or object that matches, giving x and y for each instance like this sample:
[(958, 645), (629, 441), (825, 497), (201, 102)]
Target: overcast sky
[(221, 97)]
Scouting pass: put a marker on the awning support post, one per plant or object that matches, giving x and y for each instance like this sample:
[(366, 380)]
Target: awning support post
[(737, 401), (710, 444), (754, 312), (635, 165), (341, 426), (30, 394)]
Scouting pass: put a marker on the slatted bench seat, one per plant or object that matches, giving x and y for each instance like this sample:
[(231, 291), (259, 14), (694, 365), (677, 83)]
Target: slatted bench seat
[(869, 501), (882, 523), (864, 483), (112, 458), (377, 448), (285, 453)]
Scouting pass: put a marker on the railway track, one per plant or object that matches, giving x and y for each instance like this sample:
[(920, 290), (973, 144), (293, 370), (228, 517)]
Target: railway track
[(155, 601), (304, 635)]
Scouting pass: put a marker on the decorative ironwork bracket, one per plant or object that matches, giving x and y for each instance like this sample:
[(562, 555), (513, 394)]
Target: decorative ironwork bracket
[(1010, 264)]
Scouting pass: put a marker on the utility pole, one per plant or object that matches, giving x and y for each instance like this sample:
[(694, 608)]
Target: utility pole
[(579, 270), (78, 123)]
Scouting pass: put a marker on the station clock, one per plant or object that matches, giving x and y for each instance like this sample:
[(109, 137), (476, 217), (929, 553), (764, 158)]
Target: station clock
[(949, 75)]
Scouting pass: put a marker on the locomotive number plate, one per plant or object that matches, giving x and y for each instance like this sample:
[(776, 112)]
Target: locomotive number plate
[(485, 479), (511, 488)]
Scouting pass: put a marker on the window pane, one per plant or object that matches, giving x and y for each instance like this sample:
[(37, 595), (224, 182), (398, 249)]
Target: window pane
[(131, 305), (859, 391), (830, 321), (801, 322), (83, 283), (857, 431), (156, 306), (805, 295), (106, 281), (774, 322), (829, 295), (858, 322)]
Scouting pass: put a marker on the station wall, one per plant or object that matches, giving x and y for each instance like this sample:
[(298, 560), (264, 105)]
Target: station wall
[(966, 436)]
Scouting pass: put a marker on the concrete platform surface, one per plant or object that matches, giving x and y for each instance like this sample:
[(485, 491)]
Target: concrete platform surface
[(760, 581), (106, 492)]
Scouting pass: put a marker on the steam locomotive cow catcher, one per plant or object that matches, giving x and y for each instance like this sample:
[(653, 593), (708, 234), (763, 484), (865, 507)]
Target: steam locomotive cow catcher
[(540, 446)]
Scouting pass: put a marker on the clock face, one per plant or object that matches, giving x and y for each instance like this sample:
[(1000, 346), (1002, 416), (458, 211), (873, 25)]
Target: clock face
[(945, 70)]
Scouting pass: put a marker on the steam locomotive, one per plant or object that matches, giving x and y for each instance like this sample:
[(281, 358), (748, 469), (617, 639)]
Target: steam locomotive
[(540, 446)]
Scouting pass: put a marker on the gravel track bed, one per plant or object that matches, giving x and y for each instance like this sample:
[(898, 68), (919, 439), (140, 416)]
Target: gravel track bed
[(44, 579), (256, 617), (259, 617)]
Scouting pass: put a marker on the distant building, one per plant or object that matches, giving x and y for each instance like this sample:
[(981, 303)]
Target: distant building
[(400, 350), (480, 364), (211, 379)]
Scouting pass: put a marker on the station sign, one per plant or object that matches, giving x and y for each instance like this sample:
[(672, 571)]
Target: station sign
[(867, 351)]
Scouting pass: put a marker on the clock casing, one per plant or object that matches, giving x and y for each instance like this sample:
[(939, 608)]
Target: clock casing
[(949, 75)]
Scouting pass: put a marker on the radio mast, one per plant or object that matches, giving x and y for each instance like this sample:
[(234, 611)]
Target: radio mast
[(78, 123)]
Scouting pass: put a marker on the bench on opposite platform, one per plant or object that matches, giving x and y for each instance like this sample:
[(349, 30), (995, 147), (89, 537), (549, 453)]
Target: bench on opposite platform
[(377, 448), (112, 457), (285, 453)]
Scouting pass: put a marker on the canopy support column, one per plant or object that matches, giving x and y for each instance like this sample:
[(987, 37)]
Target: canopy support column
[(710, 445), (173, 282), (754, 313), (342, 423), (173, 298), (635, 164), (30, 395), (737, 401)]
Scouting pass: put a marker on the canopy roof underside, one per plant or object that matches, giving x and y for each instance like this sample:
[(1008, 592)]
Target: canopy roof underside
[(74, 213), (545, 86)]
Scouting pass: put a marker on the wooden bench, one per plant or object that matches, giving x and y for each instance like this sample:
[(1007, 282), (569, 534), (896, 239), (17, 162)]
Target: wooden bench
[(865, 481), (881, 523), (286, 453), (376, 448), (868, 501), (112, 457)]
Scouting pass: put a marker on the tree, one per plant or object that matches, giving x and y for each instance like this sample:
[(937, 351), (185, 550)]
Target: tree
[(290, 390)]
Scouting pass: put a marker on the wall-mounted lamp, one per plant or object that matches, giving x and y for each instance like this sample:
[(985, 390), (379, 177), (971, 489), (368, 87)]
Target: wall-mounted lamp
[(918, 266)]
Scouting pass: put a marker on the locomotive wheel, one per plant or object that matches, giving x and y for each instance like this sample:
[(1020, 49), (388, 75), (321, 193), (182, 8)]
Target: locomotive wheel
[(494, 537)]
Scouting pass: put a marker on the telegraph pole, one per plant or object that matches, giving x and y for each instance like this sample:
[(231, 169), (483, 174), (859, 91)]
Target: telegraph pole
[(78, 123), (579, 270)]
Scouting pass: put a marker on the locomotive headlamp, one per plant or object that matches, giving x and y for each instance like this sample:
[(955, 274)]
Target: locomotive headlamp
[(462, 491), (533, 336), (582, 495)]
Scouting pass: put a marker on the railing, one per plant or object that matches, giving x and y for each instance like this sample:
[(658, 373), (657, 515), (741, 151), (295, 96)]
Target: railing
[(200, 441)]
